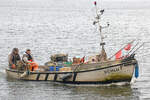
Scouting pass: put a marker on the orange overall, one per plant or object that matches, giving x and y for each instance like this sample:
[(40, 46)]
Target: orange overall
[(33, 65)]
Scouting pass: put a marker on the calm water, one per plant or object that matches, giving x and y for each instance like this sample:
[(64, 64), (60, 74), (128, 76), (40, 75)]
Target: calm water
[(65, 26)]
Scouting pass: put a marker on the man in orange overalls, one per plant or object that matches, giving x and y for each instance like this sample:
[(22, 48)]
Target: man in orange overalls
[(28, 58)]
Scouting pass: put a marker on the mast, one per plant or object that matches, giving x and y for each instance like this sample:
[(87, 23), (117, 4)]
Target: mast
[(99, 13)]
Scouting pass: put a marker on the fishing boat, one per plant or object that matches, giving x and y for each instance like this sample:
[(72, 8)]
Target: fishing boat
[(100, 70)]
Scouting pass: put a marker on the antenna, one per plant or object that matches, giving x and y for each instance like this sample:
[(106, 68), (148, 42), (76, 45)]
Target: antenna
[(99, 13)]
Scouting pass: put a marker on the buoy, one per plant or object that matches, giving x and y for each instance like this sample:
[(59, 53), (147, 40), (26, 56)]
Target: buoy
[(136, 70)]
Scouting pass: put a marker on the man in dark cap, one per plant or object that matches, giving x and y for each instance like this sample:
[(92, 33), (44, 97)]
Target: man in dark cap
[(27, 57), (13, 58)]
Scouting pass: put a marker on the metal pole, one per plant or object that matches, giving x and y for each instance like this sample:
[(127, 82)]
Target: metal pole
[(138, 48), (99, 19), (121, 49)]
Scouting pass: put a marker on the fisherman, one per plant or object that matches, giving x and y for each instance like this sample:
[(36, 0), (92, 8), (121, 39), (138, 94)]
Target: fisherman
[(28, 59), (14, 58)]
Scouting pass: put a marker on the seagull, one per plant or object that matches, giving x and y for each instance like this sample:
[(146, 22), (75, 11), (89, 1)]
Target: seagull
[(102, 11)]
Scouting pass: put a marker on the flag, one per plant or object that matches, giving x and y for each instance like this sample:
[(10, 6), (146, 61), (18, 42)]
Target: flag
[(82, 59), (123, 52), (118, 54), (95, 3), (128, 47)]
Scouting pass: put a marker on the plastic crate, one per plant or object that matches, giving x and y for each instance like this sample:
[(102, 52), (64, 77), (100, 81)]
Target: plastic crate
[(52, 68)]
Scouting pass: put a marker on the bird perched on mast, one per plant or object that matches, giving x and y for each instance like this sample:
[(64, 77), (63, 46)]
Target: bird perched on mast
[(102, 11)]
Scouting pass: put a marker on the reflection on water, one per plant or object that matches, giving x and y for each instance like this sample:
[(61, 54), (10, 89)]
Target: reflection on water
[(56, 91), (108, 92)]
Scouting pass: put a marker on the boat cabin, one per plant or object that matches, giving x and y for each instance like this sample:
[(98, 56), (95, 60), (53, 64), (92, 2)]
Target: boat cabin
[(59, 58)]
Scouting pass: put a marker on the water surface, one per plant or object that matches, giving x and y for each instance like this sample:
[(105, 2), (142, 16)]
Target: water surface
[(65, 26)]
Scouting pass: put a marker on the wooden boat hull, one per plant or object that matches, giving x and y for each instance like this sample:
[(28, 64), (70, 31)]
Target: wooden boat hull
[(111, 74)]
